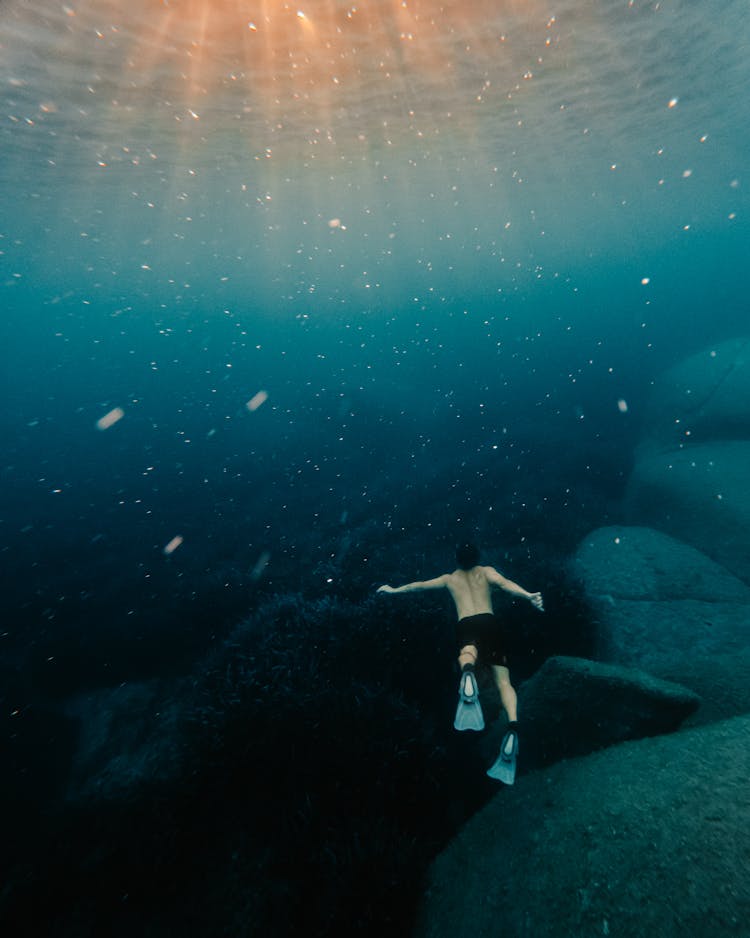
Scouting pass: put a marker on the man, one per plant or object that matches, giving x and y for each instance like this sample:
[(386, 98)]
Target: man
[(480, 639)]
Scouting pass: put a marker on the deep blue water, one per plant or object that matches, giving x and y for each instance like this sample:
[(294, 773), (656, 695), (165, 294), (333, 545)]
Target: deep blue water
[(454, 284)]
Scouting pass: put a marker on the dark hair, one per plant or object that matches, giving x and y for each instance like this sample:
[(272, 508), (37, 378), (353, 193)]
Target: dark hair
[(467, 556)]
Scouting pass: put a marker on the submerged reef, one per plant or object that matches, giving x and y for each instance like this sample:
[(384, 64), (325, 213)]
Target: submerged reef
[(299, 777), (648, 836), (297, 781)]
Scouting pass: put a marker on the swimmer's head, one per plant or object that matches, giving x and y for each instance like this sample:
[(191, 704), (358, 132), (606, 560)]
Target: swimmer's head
[(467, 556)]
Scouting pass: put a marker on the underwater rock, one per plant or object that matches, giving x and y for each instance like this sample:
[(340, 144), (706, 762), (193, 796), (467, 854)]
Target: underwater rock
[(127, 735), (658, 603), (702, 398), (692, 466), (722, 683), (700, 494), (573, 706), (645, 838)]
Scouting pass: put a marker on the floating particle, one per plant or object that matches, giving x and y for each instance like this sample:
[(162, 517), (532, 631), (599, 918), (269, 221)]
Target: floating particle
[(260, 566), (622, 406), (645, 281), (256, 400), (673, 102), (110, 419), (334, 223), (172, 546)]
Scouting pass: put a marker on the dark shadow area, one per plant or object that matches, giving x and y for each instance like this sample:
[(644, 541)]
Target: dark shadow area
[(319, 775)]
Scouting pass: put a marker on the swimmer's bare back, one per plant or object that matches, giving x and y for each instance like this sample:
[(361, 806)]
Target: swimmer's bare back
[(471, 589)]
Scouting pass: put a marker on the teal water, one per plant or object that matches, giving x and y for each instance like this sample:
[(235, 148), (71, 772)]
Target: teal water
[(437, 237), (349, 275)]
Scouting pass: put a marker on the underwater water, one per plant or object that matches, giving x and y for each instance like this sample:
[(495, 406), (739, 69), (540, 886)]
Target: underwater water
[(292, 297)]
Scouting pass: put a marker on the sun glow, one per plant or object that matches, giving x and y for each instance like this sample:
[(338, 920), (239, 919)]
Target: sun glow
[(315, 76)]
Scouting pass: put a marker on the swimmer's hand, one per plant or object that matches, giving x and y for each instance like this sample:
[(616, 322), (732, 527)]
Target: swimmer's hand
[(536, 601), (386, 589)]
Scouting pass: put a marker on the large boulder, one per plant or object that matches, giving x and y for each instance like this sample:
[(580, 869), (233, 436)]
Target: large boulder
[(702, 398), (691, 471), (573, 706), (700, 494), (645, 838), (659, 604), (721, 681)]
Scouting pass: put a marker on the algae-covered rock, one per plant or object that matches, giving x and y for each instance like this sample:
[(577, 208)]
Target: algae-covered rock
[(127, 735)]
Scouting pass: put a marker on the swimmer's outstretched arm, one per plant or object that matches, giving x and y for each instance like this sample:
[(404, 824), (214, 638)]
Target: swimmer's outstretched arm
[(497, 579), (415, 587)]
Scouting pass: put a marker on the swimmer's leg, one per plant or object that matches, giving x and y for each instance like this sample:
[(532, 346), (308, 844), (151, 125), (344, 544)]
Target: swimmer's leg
[(469, 711), (504, 767), (467, 657), (507, 691)]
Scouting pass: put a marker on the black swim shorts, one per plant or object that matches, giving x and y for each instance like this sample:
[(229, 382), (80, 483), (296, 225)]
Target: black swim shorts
[(486, 633)]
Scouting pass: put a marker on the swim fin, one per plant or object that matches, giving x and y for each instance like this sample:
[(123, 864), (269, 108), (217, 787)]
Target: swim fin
[(504, 767), (469, 714)]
